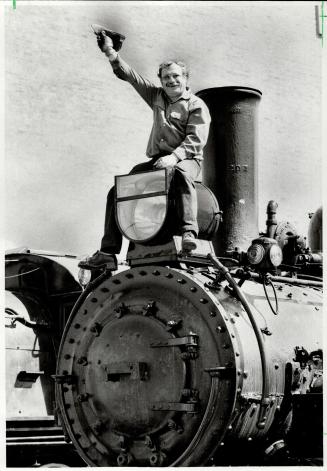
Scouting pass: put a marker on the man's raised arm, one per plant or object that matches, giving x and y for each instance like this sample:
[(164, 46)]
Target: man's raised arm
[(122, 70)]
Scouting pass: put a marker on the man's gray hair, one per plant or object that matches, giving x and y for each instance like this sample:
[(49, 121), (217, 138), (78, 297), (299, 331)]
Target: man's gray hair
[(166, 64)]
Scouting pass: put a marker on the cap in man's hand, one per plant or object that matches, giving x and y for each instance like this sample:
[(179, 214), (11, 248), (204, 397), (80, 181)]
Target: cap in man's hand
[(117, 38)]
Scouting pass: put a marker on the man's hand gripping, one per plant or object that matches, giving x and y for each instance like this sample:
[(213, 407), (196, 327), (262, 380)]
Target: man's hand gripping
[(167, 161), (109, 41), (106, 45)]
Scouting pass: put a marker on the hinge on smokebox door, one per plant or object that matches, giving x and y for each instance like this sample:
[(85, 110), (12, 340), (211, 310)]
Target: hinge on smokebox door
[(190, 342)]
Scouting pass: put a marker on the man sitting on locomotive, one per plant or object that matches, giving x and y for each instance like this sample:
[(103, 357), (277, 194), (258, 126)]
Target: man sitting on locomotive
[(180, 130)]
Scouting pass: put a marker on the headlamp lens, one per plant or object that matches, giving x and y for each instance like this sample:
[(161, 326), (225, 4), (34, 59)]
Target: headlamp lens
[(255, 253), (275, 255), (141, 204)]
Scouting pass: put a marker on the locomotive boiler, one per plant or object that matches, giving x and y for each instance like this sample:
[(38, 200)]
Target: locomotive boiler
[(208, 357)]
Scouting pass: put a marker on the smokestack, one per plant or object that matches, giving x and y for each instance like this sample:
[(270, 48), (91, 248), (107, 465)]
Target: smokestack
[(230, 163)]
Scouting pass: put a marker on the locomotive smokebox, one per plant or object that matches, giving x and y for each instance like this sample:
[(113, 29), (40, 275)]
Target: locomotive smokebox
[(230, 163)]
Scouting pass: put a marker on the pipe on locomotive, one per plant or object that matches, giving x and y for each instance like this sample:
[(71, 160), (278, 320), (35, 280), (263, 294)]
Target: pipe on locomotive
[(261, 422), (230, 163)]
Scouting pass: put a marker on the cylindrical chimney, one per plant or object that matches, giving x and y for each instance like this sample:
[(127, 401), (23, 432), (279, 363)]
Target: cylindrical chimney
[(315, 231), (230, 163)]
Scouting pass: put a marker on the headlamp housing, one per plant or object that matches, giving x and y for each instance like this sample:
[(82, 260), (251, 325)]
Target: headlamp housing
[(264, 253), (141, 204)]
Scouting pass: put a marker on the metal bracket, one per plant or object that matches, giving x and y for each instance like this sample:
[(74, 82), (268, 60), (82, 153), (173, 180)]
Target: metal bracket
[(190, 340), (26, 379), (171, 251), (174, 406), (136, 370), (64, 379), (219, 371)]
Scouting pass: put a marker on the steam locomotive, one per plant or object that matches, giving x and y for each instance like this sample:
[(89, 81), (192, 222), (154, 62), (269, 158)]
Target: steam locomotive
[(181, 358)]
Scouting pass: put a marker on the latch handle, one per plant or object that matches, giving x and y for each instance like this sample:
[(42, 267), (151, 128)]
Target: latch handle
[(135, 369)]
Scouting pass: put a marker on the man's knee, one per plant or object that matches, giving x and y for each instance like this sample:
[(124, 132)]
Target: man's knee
[(180, 168), (181, 177), (190, 169)]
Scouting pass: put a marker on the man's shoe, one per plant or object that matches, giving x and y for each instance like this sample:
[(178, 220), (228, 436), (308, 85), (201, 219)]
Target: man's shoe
[(188, 241), (99, 260)]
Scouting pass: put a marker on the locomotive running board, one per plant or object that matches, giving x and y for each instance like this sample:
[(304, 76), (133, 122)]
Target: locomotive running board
[(170, 252)]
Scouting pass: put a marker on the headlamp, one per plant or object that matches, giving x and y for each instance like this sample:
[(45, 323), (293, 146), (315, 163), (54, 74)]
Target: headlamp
[(141, 204), (275, 255), (255, 253), (265, 253)]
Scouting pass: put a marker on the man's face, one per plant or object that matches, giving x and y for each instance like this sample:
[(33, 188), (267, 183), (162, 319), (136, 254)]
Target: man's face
[(173, 81)]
